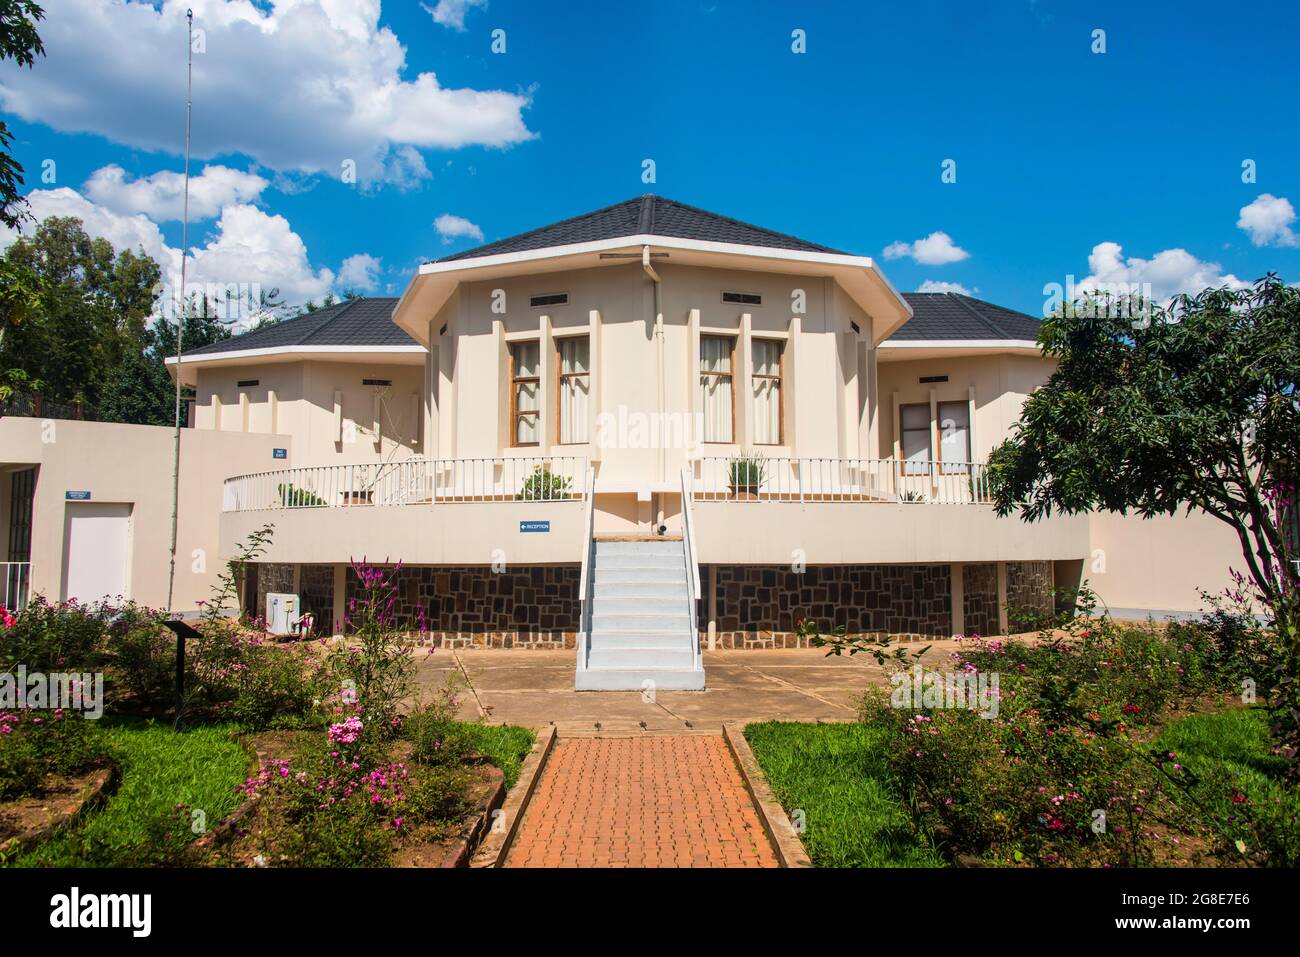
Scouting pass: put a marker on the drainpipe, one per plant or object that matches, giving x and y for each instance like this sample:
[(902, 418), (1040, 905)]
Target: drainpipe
[(659, 351)]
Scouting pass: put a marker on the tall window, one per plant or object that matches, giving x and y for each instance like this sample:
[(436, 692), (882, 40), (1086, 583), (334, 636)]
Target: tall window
[(915, 422), (525, 382), (954, 436), (575, 386), (716, 388), (767, 391)]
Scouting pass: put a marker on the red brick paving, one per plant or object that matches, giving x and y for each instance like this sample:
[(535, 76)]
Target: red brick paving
[(671, 801)]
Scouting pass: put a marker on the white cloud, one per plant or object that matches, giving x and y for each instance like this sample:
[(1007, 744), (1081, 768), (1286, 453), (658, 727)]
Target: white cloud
[(937, 249), (161, 195), (456, 227), (931, 285), (1168, 273), (359, 271), (1268, 221), (451, 13), (300, 85), (247, 246)]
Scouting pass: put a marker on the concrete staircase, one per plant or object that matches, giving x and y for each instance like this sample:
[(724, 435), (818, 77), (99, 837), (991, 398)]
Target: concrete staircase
[(642, 624)]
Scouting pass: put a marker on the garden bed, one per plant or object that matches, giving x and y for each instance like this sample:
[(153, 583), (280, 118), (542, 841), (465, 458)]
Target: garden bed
[(32, 818)]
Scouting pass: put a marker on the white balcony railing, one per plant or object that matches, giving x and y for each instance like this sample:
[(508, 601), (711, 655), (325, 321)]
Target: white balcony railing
[(839, 480), (15, 581), (413, 481)]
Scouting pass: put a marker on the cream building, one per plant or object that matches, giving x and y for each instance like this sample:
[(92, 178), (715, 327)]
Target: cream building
[(641, 433)]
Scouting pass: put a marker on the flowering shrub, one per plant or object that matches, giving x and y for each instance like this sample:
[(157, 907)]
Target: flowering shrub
[(374, 668), (35, 744), (66, 636), (7, 619)]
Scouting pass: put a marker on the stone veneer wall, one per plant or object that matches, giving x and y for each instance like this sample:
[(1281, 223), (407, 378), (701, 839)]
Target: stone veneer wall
[(980, 599), (317, 590), (758, 605), (474, 607), (1029, 592)]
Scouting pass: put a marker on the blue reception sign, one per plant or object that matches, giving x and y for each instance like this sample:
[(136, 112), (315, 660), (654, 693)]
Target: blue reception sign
[(72, 496), (534, 526), (279, 453)]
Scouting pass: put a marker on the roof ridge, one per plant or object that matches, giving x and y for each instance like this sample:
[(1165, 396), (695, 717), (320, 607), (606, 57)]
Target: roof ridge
[(958, 298), (465, 253), (645, 223), (747, 225)]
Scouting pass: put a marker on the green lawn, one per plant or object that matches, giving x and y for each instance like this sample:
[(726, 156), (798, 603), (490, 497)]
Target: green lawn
[(1229, 752), (506, 746), (835, 774), (160, 768)]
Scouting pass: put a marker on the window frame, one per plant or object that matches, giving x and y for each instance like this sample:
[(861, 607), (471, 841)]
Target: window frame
[(954, 468), (699, 371), (905, 463), (515, 381), (560, 376), (780, 386)]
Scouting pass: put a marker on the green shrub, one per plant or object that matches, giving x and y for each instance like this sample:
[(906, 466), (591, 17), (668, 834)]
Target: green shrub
[(543, 485), (745, 473), (294, 497), (35, 744), (436, 737), (144, 654), (275, 688)]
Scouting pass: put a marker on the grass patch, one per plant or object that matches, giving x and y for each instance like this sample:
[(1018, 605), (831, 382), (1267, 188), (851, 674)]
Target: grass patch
[(836, 774), (506, 746), (160, 768)]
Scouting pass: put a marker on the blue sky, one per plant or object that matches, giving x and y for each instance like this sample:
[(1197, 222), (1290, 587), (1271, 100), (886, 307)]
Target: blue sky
[(1122, 165)]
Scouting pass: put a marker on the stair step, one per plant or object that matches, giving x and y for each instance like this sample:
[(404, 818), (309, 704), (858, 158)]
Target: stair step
[(637, 588), (606, 604), (648, 576), (640, 679), (642, 639), (639, 548), (669, 624), (640, 561), (648, 658)]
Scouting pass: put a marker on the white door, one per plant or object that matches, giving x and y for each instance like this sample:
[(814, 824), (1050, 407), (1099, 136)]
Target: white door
[(96, 551)]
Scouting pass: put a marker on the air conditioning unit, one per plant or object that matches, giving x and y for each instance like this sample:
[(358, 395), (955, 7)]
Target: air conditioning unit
[(282, 613)]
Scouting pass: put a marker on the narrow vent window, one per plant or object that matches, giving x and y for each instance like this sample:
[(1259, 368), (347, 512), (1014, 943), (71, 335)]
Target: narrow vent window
[(248, 383), (744, 298), (383, 382), (554, 299), (933, 378), (855, 327)]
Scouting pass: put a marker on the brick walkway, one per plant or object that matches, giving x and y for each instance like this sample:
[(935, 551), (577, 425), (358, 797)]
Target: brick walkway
[(671, 801)]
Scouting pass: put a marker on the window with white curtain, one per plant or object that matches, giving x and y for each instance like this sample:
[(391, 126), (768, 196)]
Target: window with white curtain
[(954, 436), (525, 383), (716, 388), (572, 354), (915, 423), (767, 391)]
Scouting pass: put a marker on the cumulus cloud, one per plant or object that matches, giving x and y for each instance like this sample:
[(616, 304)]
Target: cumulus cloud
[(245, 248), (1168, 273), (452, 227), (937, 249), (931, 285), (302, 85), (1268, 221), (451, 13), (161, 195), (359, 271)]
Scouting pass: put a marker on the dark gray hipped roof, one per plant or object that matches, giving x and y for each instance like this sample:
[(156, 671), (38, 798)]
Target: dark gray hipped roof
[(950, 315), (359, 322), (645, 215)]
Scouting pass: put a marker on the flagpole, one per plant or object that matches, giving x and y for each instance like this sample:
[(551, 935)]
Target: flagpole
[(180, 320)]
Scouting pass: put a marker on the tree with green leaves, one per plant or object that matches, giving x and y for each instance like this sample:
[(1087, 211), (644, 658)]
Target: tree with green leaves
[(1192, 407), (19, 42)]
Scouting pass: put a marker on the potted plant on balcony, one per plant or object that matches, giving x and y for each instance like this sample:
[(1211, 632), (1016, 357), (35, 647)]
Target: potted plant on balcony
[(745, 474), (543, 485)]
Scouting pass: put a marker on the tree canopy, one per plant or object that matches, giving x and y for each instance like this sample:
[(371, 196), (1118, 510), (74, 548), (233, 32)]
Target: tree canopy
[(19, 42)]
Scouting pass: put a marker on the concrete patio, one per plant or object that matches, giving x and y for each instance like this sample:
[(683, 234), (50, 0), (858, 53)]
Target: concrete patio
[(536, 688)]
